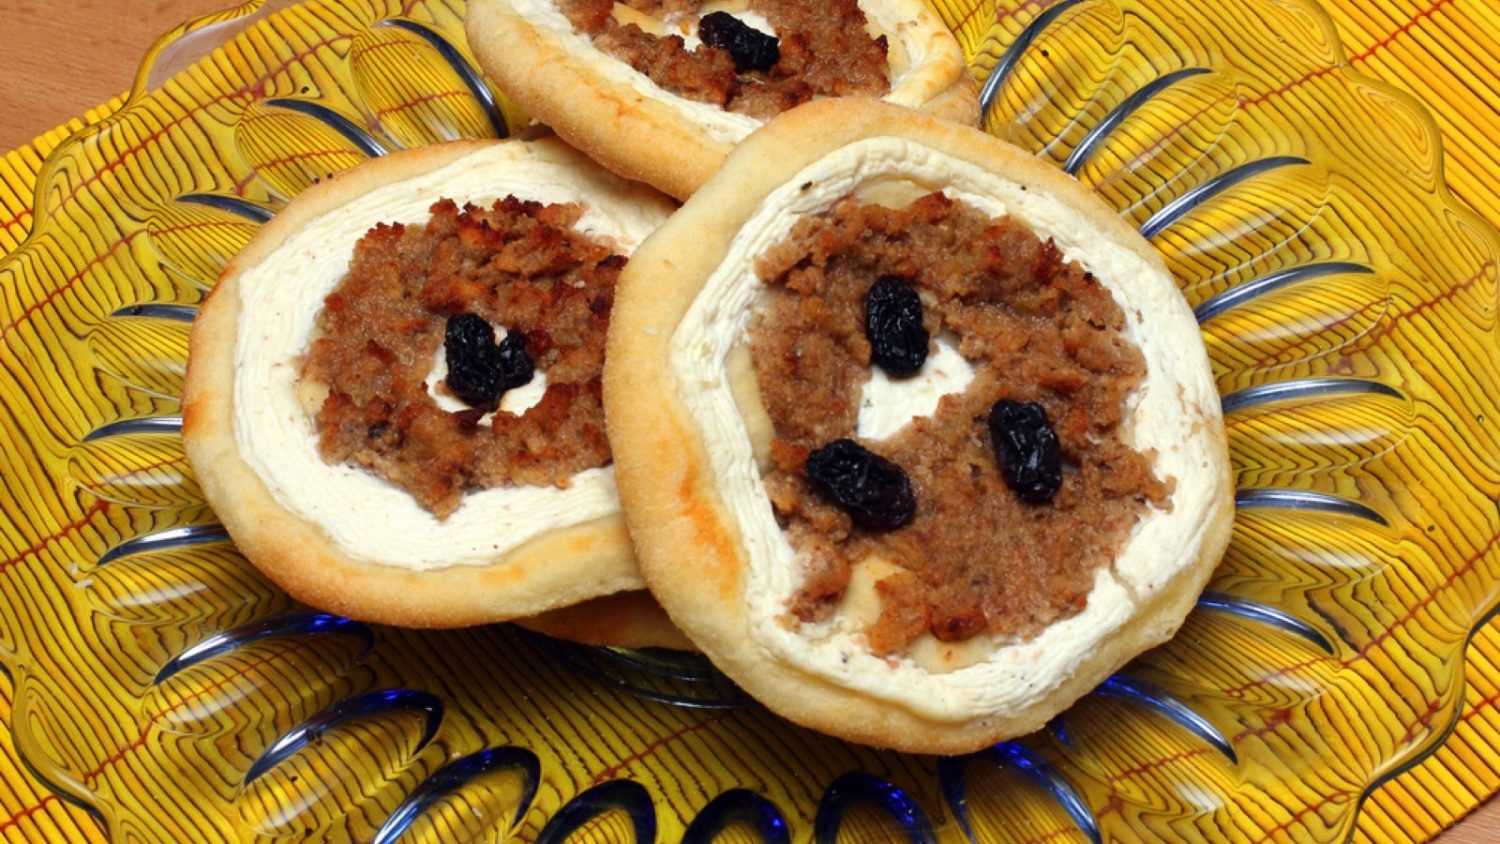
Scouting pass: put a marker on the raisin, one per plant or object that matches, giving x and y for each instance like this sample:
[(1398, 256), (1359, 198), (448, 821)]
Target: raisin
[(750, 48), (479, 371), (1027, 449), (893, 324), (874, 491), (516, 366)]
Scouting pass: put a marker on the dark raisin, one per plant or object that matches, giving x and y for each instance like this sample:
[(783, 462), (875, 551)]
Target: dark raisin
[(874, 491), (479, 371), (893, 324), (516, 367), (750, 48), (474, 373), (1026, 447)]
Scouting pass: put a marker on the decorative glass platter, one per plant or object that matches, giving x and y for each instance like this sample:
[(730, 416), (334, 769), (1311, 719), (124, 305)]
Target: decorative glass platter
[(1349, 307)]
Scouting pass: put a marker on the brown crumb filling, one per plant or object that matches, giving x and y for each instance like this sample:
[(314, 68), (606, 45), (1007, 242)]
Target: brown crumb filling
[(518, 264), (825, 52), (975, 559)]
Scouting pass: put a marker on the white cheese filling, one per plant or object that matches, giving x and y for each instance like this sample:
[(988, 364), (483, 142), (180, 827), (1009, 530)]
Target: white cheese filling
[(1011, 674), (727, 127), (365, 516), (887, 404)]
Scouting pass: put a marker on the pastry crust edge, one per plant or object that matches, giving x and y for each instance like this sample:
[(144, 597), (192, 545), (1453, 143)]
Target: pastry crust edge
[(687, 541), (556, 569), (636, 136)]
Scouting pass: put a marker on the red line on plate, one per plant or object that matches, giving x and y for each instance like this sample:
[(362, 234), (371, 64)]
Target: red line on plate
[(257, 88), (1389, 325), (654, 746), (94, 510), (1468, 564), (16, 220), (27, 812), (1385, 41), (295, 157), (425, 98), (1380, 44), (66, 285), (1429, 304), (1153, 764), (1008, 13)]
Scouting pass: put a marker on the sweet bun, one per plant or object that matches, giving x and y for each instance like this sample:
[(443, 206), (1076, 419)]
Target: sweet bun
[(338, 537), (638, 129), (689, 462)]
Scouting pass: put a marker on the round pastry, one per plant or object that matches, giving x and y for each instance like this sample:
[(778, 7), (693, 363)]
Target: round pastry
[(661, 90), (934, 445), (392, 398)]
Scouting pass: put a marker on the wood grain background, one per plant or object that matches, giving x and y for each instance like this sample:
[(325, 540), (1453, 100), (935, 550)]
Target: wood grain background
[(64, 57)]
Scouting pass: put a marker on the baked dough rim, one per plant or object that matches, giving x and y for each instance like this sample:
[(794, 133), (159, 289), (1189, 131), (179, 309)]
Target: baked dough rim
[(554, 569), (675, 510), (645, 138)]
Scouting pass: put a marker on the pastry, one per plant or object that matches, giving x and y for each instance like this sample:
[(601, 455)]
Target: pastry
[(661, 90), (392, 398), (934, 445)]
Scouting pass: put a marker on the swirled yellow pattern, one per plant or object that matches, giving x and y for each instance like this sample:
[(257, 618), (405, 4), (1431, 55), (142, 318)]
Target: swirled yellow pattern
[(156, 688)]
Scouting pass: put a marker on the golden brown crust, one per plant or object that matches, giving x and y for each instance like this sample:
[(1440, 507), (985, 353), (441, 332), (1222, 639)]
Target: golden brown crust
[(959, 104), (674, 507), (642, 137), (555, 569), (623, 620)]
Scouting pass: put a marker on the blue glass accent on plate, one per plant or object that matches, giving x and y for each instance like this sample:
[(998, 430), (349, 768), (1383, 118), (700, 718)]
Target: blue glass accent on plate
[(625, 795), (172, 538), (1265, 614), (352, 131), (1301, 499), (176, 313), (1177, 208), (738, 806), (952, 772), (307, 624), (370, 703), (146, 425), (996, 80), (456, 775), (466, 71), (1118, 114), (1238, 295), (1304, 388), (674, 665), (701, 686), (859, 787), (1059, 730), (1139, 691), (233, 204)]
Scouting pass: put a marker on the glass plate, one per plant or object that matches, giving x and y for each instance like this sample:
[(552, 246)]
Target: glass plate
[(1348, 302)]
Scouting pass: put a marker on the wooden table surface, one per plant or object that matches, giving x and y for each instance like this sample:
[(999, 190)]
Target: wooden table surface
[(53, 73)]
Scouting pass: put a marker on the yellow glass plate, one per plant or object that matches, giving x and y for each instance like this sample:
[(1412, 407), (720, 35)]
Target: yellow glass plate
[(1348, 302)]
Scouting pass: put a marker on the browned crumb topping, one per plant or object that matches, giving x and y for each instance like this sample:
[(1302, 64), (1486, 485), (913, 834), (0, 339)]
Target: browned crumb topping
[(520, 265), (826, 51), (975, 559)]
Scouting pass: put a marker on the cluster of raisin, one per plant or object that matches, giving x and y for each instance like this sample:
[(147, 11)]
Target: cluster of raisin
[(479, 370), (750, 48), (875, 492)]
